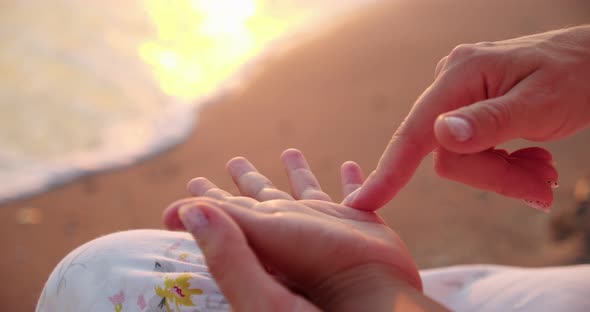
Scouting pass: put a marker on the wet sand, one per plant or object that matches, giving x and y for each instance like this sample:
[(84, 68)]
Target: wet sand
[(336, 97)]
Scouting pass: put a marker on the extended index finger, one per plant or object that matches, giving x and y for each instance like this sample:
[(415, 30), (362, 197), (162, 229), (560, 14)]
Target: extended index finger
[(415, 139)]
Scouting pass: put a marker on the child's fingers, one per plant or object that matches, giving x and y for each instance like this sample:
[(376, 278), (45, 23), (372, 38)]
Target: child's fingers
[(204, 187), (351, 177), (265, 230), (304, 184), (234, 266), (170, 214), (252, 183)]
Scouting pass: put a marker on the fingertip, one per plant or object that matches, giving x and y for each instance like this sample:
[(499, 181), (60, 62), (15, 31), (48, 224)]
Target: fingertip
[(358, 200), (290, 153), (351, 172), (350, 198), (188, 186), (234, 161), (195, 186), (351, 178), (194, 217), (170, 217), (349, 166), (237, 166), (171, 221), (293, 159)]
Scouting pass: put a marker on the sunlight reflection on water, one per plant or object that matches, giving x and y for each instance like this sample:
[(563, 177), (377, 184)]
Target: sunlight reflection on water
[(89, 85)]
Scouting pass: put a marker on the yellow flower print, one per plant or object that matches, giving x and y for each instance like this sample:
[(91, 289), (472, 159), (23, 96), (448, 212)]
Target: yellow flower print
[(178, 291), (183, 257)]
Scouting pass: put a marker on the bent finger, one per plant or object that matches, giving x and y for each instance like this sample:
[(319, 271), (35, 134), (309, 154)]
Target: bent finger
[(493, 172), (415, 139)]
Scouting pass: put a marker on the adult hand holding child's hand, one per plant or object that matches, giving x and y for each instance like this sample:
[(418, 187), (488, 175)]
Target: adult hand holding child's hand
[(535, 87), (338, 258)]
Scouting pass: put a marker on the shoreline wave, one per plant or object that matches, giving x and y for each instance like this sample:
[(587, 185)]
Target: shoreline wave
[(132, 140)]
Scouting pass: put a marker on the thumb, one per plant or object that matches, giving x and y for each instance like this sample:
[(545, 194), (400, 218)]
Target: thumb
[(234, 266), (480, 126)]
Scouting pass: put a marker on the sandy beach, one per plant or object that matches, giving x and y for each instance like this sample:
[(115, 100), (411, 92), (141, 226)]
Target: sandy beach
[(337, 96)]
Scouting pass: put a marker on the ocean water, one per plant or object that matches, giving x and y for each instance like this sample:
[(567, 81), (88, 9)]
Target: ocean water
[(87, 86)]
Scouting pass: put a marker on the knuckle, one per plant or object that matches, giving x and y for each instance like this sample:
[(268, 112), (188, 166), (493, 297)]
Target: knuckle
[(282, 203), (499, 115), (273, 206), (462, 51), (263, 192), (311, 193), (485, 44), (214, 193), (306, 172), (253, 175), (440, 66)]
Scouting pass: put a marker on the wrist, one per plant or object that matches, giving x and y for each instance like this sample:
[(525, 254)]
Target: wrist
[(369, 287)]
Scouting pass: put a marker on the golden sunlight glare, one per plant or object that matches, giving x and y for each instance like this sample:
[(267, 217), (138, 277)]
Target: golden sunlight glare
[(200, 43)]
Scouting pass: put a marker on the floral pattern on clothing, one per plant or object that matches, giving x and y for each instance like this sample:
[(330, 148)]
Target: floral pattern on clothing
[(117, 300), (177, 291)]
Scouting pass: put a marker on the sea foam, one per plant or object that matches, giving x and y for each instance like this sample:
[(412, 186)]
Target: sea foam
[(87, 86)]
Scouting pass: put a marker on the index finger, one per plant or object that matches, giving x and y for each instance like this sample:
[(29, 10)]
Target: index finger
[(415, 139)]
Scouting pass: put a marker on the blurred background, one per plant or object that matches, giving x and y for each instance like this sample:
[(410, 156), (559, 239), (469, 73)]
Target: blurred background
[(108, 108)]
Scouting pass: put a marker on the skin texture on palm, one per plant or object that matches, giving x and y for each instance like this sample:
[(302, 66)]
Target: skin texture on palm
[(335, 255), (484, 94)]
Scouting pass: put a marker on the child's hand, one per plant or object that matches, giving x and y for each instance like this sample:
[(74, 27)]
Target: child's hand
[(338, 257)]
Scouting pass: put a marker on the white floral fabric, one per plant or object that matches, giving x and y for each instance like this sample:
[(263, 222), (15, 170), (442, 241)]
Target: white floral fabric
[(163, 271)]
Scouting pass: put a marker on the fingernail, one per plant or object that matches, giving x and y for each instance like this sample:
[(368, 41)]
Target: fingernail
[(350, 198), (537, 204), (553, 184), (192, 217), (459, 128)]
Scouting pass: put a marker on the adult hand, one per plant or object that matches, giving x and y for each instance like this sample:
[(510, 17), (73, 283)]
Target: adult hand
[(535, 87), (341, 258)]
